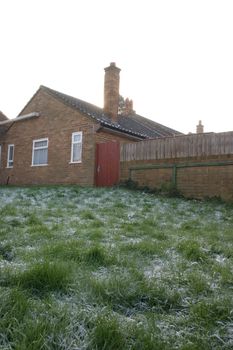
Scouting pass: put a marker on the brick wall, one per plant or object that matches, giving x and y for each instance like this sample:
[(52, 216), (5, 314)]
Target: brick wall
[(193, 181)]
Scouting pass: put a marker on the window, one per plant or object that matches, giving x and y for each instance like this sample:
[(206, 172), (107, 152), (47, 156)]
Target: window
[(76, 147), (40, 152), (10, 156)]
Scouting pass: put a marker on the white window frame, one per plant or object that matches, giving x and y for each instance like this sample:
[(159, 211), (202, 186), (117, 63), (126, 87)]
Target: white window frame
[(75, 143), (38, 148), (8, 156)]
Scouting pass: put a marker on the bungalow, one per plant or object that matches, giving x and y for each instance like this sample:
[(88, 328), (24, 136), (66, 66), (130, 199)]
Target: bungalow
[(54, 138)]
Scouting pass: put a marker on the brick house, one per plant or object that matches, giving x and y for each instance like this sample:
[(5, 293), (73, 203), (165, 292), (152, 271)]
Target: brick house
[(53, 140)]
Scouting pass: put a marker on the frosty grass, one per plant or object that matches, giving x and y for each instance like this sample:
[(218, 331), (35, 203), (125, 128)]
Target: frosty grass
[(86, 268)]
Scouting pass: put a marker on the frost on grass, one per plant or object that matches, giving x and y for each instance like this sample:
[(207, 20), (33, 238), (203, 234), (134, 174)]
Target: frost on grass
[(182, 250), (156, 269)]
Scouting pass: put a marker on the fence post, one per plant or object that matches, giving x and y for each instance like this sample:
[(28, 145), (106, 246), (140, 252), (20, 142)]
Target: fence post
[(174, 175)]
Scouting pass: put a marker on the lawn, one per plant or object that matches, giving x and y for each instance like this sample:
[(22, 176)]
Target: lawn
[(109, 269)]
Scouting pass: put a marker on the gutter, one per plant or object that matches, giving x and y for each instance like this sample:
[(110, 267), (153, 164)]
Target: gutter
[(121, 133), (22, 117)]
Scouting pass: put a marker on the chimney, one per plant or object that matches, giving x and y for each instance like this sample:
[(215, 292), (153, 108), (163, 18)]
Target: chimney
[(200, 128), (111, 90)]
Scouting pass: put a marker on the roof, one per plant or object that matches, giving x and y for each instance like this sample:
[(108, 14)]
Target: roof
[(3, 129), (5, 125), (132, 124), (2, 117)]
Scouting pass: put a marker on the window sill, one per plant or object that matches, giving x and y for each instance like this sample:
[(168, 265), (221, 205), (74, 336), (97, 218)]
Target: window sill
[(78, 162), (9, 167), (35, 165)]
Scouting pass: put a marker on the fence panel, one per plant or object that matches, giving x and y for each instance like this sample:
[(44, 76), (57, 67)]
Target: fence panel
[(183, 146)]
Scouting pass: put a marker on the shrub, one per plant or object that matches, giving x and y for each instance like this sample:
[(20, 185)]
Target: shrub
[(132, 185), (170, 190), (166, 189)]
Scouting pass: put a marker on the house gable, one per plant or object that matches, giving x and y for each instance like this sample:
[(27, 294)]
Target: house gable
[(56, 122)]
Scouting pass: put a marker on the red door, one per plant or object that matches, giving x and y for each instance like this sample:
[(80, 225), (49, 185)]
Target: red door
[(107, 163)]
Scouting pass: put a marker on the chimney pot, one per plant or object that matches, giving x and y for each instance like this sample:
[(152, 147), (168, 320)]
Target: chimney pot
[(200, 128)]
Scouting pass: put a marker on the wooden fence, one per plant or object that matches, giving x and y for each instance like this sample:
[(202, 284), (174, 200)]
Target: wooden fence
[(182, 146)]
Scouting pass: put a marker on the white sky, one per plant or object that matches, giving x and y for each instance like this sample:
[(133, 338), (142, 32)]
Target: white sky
[(176, 56)]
